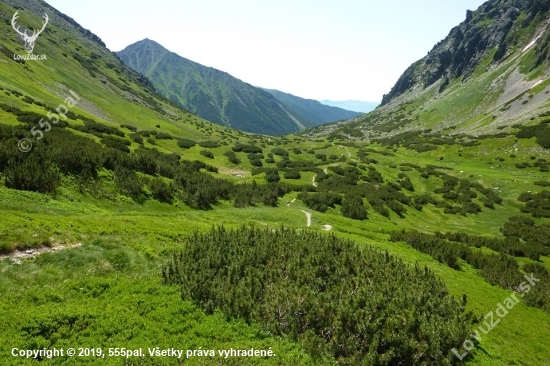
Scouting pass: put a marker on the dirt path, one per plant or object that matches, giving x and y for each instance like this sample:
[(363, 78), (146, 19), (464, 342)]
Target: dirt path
[(17, 255), (308, 216), (288, 204), (346, 148), (313, 181), (327, 227), (235, 172)]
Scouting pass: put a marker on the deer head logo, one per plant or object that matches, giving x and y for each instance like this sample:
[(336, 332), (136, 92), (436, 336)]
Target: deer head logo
[(29, 40)]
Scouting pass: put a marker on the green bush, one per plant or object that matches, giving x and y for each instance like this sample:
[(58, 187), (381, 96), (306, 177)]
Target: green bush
[(129, 183), (293, 174), (163, 136), (353, 207), (32, 172), (336, 299), (247, 148), (137, 138), (232, 157), (186, 143), (209, 144), (320, 201), (129, 127), (272, 176), (207, 154), (91, 126), (161, 190), (116, 143), (279, 151)]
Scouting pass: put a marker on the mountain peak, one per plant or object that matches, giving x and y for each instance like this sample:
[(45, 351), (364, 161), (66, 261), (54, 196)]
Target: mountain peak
[(221, 98), (487, 36)]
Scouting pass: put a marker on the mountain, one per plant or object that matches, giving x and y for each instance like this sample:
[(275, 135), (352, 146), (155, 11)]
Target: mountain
[(352, 105), (488, 37), (77, 60), (210, 93), (488, 75), (313, 111)]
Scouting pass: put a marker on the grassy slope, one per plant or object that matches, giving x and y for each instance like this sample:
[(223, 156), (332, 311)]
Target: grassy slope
[(148, 232)]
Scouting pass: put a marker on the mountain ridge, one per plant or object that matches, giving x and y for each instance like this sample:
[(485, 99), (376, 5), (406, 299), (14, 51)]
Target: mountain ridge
[(219, 97), (495, 27), (312, 110), (351, 105), (211, 93)]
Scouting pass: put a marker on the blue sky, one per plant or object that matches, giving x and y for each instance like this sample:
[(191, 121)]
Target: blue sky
[(317, 49)]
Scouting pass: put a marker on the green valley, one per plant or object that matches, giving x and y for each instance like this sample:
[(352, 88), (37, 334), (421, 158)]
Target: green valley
[(130, 223)]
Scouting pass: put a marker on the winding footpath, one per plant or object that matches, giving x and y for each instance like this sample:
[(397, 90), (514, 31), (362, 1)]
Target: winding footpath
[(308, 216)]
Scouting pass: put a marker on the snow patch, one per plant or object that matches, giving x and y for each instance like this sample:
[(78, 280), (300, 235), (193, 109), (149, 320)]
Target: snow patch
[(530, 44), (537, 83), (534, 40)]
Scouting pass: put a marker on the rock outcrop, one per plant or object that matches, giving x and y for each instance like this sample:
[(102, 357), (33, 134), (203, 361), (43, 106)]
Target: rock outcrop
[(498, 27)]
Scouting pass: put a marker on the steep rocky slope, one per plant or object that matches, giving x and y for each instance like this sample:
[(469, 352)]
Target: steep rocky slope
[(487, 76), (493, 33)]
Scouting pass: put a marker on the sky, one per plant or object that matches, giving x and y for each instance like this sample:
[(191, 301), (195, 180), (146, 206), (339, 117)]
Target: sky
[(315, 49)]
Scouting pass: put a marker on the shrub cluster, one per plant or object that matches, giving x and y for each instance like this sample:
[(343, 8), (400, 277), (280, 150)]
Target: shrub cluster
[(252, 149), (92, 127), (232, 157), (279, 151), (353, 207), (541, 132), (542, 164), (209, 144), (186, 143), (358, 306), (207, 154), (292, 174), (501, 269), (320, 201), (537, 204), (255, 159), (272, 176), (145, 173)]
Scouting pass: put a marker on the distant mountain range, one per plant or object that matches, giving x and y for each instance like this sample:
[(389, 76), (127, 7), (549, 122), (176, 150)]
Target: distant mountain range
[(352, 105), (313, 110), (221, 98)]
